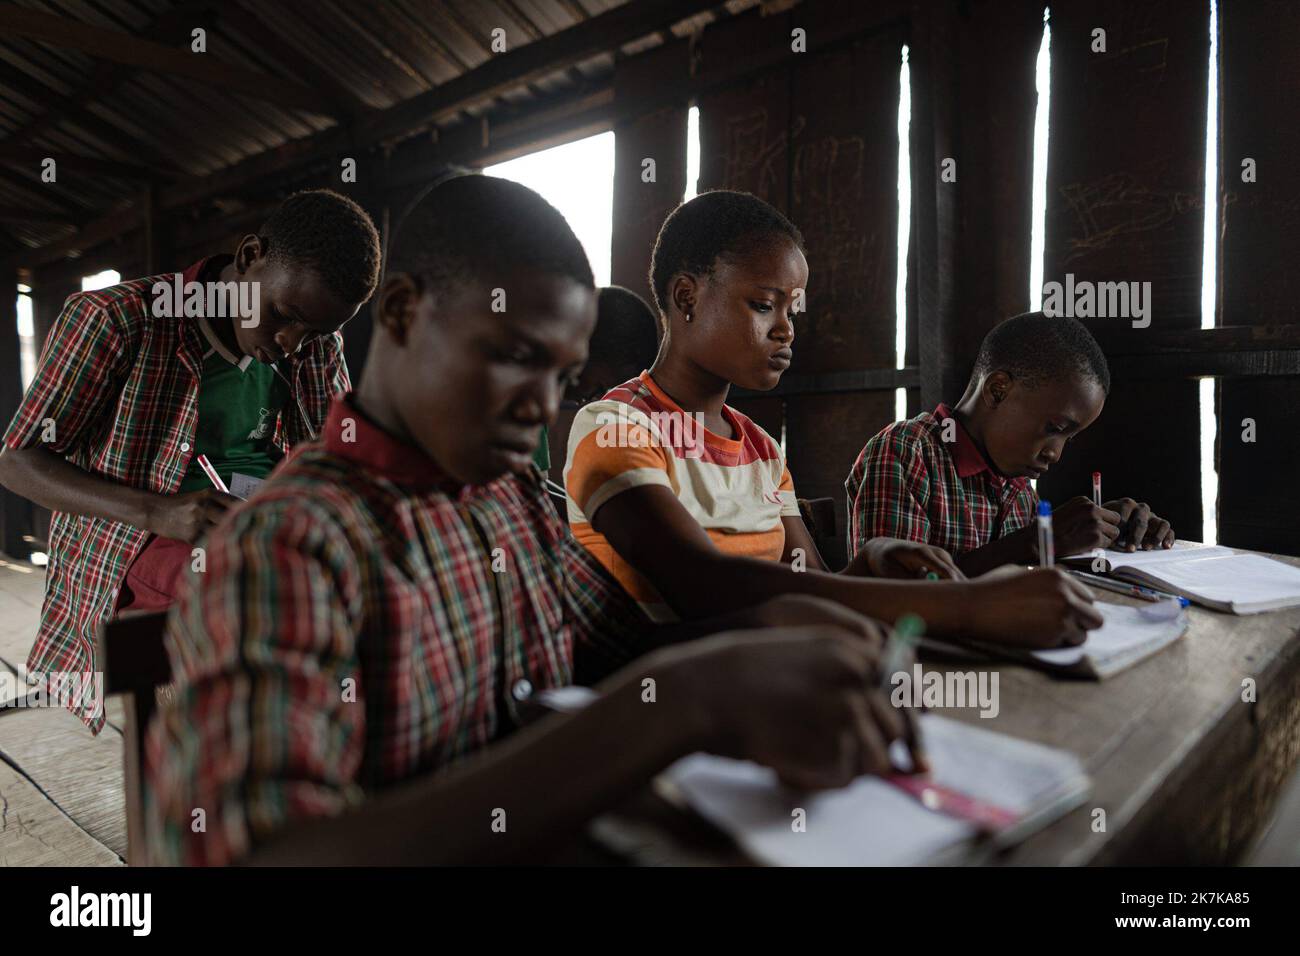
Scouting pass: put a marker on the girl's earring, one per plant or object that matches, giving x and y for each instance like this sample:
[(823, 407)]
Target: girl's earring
[(688, 317)]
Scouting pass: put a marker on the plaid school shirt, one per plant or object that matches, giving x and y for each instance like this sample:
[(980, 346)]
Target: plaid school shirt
[(909, 483), (116, 393), (362, 621)]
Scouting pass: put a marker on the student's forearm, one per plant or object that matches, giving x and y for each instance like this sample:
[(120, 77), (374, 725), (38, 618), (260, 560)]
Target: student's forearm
[(549, 779), (52, 482), (1015, 548), (708, 582)]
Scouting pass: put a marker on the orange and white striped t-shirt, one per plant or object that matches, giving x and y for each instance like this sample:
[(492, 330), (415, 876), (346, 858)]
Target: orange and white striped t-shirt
[(738, 489)]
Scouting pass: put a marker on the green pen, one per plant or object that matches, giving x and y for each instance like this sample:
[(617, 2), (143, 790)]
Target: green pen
[(901, 645), (931, 575)]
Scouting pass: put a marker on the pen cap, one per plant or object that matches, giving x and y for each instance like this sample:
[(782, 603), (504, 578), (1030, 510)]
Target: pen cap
[(1044, 509)]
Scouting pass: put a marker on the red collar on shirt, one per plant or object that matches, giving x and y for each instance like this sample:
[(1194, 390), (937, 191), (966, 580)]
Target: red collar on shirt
[(378, 451), (966, 455), (196, 270)]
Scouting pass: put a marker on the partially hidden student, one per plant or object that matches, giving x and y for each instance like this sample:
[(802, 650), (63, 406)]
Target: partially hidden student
[(958, 478), (690, 504), (355, 667), (135, 383), (623, 345)]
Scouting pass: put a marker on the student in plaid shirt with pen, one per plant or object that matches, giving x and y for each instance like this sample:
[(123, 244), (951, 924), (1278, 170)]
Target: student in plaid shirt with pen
[(353, 668), (125, 400), (958, 478)]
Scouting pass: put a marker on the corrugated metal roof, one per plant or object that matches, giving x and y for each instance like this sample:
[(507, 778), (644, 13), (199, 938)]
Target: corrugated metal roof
[(355, 56)]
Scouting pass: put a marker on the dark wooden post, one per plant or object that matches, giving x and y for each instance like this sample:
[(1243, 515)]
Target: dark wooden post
[(15, 511)]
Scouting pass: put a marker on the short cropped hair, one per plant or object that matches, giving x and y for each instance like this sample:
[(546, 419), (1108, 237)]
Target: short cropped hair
[(625, 331), (330, 234), (1035, 348), (710, 227), (476, 227)]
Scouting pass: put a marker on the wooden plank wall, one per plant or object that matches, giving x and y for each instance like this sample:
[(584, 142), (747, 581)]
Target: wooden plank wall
[(744, 144), (816, 138), (1259, 500), (997, 55), (1125, 182), (814, 135), (658, 133)]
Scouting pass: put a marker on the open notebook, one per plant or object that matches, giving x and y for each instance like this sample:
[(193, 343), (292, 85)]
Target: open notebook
[(873, 822), (1216, 577), (1129, 635)]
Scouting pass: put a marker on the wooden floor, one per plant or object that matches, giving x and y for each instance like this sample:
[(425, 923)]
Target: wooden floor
[(61, 797)]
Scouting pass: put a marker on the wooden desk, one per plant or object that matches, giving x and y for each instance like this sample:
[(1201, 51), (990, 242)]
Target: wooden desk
[(1185, 770)]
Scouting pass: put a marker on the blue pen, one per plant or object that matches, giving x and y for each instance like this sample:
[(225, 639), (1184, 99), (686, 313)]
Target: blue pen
[(1163, 595), (1046, 553)]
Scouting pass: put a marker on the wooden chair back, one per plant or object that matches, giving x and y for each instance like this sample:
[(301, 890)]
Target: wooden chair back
[(135, 665)]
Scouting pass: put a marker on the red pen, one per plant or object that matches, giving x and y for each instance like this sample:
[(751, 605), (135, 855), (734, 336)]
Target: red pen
[(212, 473), (1096, 488), (935, 796)]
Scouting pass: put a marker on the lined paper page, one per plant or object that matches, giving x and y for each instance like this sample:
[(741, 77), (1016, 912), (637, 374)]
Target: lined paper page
[(1239, 579), (1213, 573), (1181, 551)]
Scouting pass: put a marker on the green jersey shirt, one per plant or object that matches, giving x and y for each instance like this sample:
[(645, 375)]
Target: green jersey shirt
[(239, 402)]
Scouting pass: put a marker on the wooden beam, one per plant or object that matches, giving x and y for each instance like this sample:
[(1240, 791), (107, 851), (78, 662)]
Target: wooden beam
[(171, 27), (498, 75), (1170, 366), (141, 54), (23, 214), (532, 61), (266, 40), (32, 89), (90, 235), (43, 195), (508, 70), (33, 156), (1223, 338), (933, 290)]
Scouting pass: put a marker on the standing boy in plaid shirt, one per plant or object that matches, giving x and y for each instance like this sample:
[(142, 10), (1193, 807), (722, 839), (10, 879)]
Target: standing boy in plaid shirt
[(353, 667), (133, 386), (959, 478)]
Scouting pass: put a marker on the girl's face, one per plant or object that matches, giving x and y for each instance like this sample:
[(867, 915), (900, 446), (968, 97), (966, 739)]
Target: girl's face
[(742, 316)]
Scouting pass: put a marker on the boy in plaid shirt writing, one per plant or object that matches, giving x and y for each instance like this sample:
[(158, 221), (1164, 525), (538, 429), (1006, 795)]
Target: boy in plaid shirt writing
[(354, 666), (958, 478), (134, 384)]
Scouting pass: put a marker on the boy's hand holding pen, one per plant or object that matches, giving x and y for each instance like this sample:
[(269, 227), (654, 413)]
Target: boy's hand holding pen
[(188, 516), (1085, 524)]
